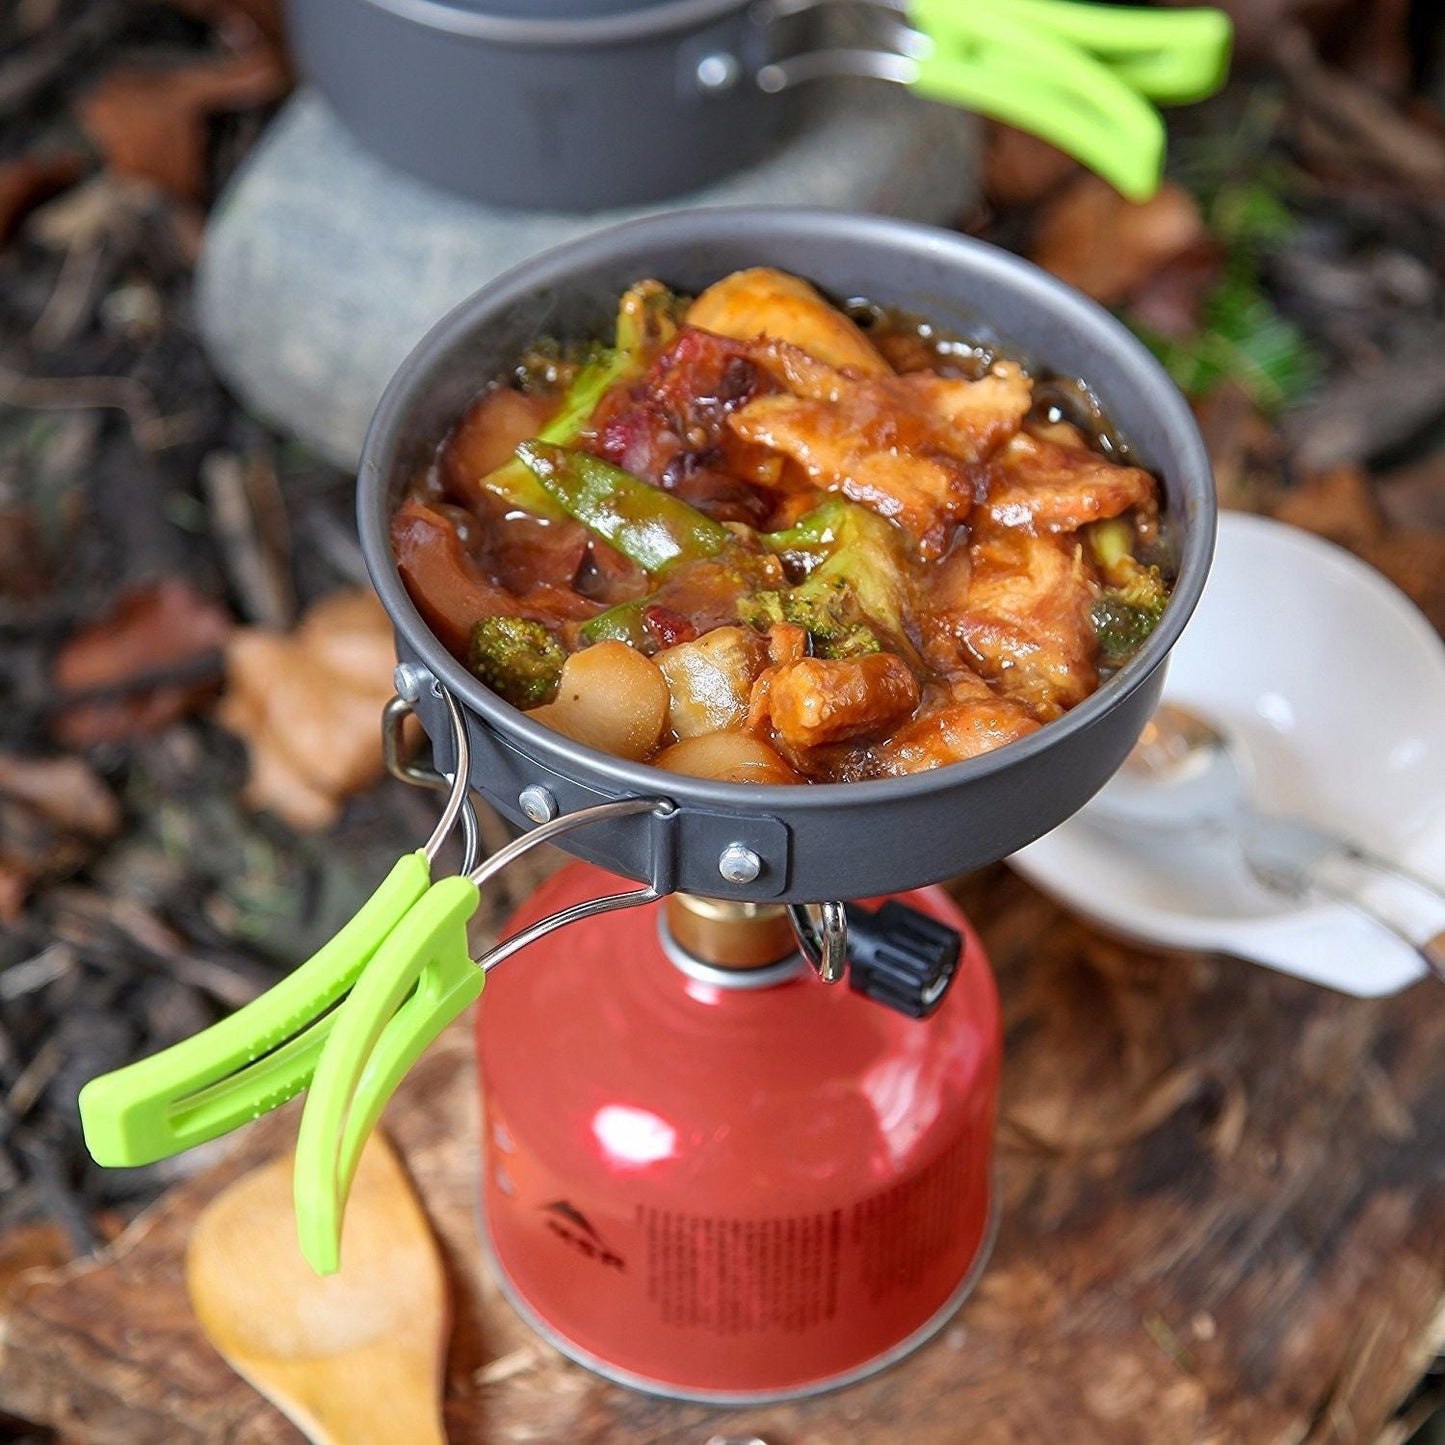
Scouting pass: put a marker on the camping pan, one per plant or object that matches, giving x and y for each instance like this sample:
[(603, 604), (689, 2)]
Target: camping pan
[(566, 105), (788, 843)]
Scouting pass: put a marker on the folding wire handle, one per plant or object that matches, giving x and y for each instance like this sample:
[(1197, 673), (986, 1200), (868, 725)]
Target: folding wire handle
[(408, 770), (822, 940), (411, 770), (265, 1053)]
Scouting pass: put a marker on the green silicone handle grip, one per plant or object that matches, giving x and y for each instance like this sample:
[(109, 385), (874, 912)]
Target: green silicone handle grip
[(417, 982), (1050, 87), (1171, 56), (249, 1063)]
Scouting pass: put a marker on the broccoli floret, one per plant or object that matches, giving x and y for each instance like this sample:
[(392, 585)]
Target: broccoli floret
[(648, 317), (826, 609), (855, 587), (1120, 626), (518, 658), (1134, 596)]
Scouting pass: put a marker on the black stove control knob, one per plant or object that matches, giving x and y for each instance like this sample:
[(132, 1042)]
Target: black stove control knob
[(900, 957)]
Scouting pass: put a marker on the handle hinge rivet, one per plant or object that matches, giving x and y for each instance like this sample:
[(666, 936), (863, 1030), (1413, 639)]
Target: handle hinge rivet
[(410, 681), (718, 71), (739, 864), (537, 803)]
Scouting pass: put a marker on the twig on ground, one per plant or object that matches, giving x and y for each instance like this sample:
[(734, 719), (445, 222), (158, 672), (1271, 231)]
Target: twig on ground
[(73, 299), (1358, 119), (1375, 407), (248, 521), (153, 432)]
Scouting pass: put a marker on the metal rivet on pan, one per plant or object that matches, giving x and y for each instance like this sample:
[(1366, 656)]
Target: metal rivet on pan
[(537, 803), (739, 864), (718, 71), (410, 681)]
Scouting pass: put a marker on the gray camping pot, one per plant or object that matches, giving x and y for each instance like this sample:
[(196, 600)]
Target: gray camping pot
[(567, 105), (803, 843)]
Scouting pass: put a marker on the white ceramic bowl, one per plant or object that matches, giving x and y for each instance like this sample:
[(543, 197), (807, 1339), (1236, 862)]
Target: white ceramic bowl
[(1332, 686)]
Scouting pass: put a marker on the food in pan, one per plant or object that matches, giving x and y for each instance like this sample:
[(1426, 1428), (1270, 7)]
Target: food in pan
[(763, 538)]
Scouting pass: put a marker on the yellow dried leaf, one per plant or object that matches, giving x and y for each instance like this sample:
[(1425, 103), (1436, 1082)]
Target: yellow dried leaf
[(309, 704)]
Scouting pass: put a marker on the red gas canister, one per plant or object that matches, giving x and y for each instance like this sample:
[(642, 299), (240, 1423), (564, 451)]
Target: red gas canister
[(730, 1183)]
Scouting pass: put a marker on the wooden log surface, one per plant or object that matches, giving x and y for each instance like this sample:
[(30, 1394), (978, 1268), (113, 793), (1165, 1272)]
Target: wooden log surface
[(1223, 1220)]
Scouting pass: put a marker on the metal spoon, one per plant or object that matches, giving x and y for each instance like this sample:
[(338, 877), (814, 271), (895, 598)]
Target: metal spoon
[(1184, 775)]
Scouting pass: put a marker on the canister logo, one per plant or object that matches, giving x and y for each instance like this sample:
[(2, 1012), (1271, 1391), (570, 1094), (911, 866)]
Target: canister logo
[(573, 1227)]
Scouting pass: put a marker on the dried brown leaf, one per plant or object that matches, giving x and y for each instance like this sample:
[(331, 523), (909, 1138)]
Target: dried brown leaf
[(1108, 247), (1414, 496), (27, 1247), (1247, 453), (164, 629), (66, 790), (34, 845), (1019, 169), (1337, 504), (1415, 562), (151, 124), (1171, 301), (15, 884), (28, 180), (308, 705)]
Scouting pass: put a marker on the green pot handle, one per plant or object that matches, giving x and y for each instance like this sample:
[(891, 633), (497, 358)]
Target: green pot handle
[(1170, 56), (1030, 79), (247, 1064), (418, 980), (265, 1053), (1080, 76)]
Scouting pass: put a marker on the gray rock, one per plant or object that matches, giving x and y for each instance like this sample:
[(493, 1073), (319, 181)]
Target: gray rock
[(323, 267)]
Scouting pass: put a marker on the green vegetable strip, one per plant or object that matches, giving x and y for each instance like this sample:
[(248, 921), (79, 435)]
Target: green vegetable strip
[(512, 481), (650, 526), (622, 623), (822, 529), (646, 321)]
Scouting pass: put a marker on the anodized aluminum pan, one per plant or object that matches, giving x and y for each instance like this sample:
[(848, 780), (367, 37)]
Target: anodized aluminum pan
[(569, 106), (817, 841)]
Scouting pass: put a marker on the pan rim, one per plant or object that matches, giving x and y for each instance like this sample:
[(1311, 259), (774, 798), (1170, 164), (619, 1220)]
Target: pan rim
[(640, 24)]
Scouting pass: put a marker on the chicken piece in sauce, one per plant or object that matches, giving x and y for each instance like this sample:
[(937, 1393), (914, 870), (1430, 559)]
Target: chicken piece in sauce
[(911, 447), (1039, 485), (971, 720), (1023, 622)]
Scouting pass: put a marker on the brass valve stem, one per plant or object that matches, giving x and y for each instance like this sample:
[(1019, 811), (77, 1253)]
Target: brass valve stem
[(728, 934)]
